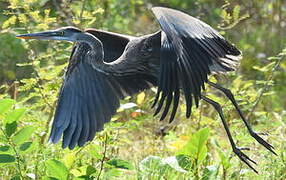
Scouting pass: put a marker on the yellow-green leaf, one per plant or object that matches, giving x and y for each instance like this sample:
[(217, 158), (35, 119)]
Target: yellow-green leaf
[(23, 135), (140, 98), (5, 105), (56, 169), (15, 115)]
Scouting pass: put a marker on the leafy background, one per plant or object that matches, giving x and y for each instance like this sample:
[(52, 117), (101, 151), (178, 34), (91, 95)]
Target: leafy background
[(135, 145)]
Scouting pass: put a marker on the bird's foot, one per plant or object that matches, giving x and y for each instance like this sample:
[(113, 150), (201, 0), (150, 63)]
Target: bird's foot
[(263, 142), (243, 157)]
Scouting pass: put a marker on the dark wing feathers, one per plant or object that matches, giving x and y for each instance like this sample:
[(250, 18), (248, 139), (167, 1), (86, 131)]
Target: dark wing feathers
[(190, 51), (87, 100)]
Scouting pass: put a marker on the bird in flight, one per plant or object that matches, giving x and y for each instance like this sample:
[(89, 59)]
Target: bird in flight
[(105, 67)]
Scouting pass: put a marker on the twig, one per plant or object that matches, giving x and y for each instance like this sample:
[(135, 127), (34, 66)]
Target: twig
[(103, 158)]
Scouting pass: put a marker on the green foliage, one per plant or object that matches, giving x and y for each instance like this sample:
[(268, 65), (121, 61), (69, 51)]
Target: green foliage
[(128, 148), (56, 169), (119, 163), (6, 158), (196, 146), (5, 105)]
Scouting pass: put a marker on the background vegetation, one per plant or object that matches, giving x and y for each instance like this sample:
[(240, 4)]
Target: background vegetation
[(133, 145)]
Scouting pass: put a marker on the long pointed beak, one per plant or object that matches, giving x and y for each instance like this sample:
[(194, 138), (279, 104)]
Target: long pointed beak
[(40, 35)]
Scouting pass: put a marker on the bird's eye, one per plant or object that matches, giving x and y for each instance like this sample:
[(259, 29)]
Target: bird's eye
[(62, 33)]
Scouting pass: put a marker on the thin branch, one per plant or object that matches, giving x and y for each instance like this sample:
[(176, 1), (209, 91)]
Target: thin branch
[(103, 158)]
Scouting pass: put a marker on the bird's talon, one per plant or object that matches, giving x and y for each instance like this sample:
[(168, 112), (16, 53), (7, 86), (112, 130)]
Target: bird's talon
[(243, 157), (263, 142)]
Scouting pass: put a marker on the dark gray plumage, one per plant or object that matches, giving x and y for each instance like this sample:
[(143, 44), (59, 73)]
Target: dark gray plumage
[(104, 67)]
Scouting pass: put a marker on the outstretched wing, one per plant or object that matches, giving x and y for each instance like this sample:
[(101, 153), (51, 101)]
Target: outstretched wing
[(88, 99), (190, 51)]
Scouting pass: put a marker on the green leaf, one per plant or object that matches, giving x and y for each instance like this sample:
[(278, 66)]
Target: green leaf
[(94, 151), (224, 160), (90, 170), (210, 172), (119, 163), (172, 161), (111, 173), (15, 115), (17, 177), (202, 154), (23, 135), (196, 146), (153, 165), (25, 146), (83, 171), (150, 163), (69, 159), (56, 169), (4, 148), (10, 128), (7, 158), (5, 105), (184, 161)]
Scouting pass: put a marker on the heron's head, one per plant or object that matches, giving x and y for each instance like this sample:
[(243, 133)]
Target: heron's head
[(62, 34)]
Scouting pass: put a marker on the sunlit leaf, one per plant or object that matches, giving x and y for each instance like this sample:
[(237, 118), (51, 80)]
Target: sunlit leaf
[(9, 22), (112, 173), (140, 98), (149, 163), (69, 159), (224, 159), (15, 115), (173, 163), (210, 172), (5, 105), (83, 171), (196, 146), (56, 169), (23, 135)]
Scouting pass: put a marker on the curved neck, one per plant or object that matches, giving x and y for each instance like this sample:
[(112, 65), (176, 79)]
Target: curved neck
[(95, 45), (96, 55)]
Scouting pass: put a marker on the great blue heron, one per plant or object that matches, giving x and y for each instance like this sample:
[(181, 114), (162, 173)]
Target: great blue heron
[(105, 67)]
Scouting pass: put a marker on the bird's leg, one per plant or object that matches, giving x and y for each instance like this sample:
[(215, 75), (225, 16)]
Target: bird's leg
[(255, 135), (238, 151)]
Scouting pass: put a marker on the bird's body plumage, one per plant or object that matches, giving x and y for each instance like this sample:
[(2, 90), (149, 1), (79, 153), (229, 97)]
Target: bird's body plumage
[(105, 67)]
